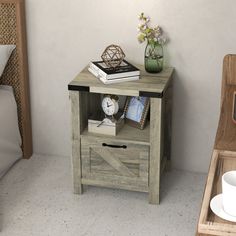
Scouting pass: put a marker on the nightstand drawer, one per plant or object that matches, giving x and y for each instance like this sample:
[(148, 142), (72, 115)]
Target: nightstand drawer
[(112, 163)]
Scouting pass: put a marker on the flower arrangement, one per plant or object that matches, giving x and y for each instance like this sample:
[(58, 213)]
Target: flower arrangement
[(152, 35)]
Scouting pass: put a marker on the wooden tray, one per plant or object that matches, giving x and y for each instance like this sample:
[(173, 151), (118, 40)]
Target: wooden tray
[(209, 223)]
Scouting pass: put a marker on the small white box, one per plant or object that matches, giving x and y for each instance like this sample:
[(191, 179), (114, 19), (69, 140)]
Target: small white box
[(105, 126)]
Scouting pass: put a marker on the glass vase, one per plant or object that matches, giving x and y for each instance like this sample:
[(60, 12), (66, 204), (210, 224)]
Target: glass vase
[(153, 57)]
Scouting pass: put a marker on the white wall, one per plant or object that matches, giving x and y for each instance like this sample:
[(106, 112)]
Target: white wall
[(64, 35)]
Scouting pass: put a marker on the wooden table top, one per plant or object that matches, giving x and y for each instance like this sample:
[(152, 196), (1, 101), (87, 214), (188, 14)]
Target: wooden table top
[(149, 85)]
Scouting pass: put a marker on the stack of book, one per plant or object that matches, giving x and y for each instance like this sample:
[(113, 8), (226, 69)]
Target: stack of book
[(124, 72)]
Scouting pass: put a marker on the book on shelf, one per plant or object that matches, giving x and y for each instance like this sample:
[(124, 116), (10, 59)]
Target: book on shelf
[(112, 81), (124, 70)]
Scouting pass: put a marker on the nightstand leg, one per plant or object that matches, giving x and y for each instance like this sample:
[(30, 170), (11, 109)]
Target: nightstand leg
[(76, 159), (155, 150), (167, 120)]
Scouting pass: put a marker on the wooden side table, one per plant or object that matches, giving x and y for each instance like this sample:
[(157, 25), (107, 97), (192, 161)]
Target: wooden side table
[(147, 153)]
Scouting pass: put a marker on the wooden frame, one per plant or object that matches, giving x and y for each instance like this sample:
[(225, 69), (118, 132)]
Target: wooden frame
[(13, 31), (142, 122), (234, 108), (224, 156)]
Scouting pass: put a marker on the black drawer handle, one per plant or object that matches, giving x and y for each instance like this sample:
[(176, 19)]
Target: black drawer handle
[(114, 146)]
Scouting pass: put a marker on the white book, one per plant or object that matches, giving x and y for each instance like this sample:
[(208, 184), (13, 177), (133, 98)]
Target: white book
[(113, 81), (125, 69)]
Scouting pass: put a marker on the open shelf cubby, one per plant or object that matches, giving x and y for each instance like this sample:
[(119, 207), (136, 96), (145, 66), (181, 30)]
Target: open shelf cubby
[(92, 105)]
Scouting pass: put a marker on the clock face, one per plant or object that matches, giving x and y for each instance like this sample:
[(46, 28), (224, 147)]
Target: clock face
[(109, 106)]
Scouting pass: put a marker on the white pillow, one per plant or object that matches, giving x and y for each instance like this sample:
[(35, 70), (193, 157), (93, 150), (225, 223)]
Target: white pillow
[(5, 53), (10, 139)]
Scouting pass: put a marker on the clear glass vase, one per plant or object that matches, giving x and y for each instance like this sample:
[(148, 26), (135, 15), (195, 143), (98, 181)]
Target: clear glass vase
[(153, 57)]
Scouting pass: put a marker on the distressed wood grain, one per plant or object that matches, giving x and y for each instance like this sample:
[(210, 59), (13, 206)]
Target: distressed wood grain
[(75, 138), (137, 167), (155, 83), (156, 150)]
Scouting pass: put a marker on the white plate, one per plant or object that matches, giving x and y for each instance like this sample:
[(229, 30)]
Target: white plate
[(217, 207)]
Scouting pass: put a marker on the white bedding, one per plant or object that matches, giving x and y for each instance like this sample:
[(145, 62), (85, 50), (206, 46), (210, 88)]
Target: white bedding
[(10, 139), (5, 53)]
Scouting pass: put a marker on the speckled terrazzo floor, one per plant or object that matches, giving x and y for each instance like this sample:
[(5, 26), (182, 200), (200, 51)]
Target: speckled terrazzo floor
[(36, 199)]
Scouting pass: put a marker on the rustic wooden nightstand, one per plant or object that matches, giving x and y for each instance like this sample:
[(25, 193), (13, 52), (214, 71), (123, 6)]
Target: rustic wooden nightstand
[(138, 167)]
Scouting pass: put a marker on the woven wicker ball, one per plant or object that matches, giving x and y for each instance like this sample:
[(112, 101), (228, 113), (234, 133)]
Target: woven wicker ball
[(113, 56)]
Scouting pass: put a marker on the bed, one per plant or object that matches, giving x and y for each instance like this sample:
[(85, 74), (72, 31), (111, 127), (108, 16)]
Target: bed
[(15, 74)]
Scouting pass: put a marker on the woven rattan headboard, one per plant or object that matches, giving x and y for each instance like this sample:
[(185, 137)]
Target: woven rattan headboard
[(12, 31)]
